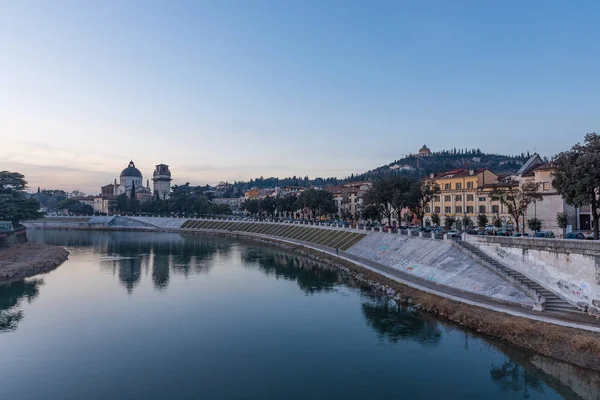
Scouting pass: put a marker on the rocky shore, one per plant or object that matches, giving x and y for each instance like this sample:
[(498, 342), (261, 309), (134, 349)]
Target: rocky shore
[(27, 259)]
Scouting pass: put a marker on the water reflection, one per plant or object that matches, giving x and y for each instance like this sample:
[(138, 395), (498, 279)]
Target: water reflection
[(310, 276), (130, 255), (11, 297), (512, 377), (161, 258), (400, 323)]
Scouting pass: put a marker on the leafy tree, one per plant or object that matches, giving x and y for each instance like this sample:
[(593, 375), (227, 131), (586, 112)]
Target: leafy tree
[(534, 224), (435, 219), (286, 205), (497, 221), (466, 222), (318, 202), (482, 220), (401, 193), (516, 199), (562, 220), (251, 206), (80, 208), (65, 204), (577, 176), (77, 193), (381, 197), (15, 204), (449, 221), (370, 212), (421, 194), (267, 206)]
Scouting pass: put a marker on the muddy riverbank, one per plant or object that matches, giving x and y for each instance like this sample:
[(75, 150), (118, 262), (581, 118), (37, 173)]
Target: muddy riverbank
[(23, 260)]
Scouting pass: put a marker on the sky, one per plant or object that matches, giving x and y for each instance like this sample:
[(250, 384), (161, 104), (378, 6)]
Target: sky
[(230, 90)]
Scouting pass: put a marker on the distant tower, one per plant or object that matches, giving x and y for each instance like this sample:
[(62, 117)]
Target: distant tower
[(162, 181)]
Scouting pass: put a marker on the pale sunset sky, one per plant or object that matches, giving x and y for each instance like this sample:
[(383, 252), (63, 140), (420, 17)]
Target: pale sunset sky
[(230, 90)]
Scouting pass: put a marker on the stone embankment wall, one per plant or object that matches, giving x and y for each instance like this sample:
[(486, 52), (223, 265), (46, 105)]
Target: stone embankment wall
[(569, 268)]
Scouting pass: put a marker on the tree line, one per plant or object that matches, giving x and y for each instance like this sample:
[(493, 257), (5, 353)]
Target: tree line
[(310, 204), (392, 195)]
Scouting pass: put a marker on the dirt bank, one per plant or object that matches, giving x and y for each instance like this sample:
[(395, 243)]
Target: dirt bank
[(27, 259), (574, 346)]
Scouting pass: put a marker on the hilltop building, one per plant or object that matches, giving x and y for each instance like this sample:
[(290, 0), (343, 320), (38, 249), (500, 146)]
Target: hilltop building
[(424, 151)]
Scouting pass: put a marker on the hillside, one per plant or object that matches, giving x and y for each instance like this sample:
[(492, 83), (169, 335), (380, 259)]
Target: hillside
[(412, 165), (420, 166)]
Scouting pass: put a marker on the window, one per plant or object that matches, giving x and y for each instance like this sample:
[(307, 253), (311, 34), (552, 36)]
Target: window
[(446, 186), (447, 198), (482, 199), (458, 209), (481, 209), (437, 210), (469, 185), (495, 209), (427, 210), (458, 186), (458, 197), (546, 186), (469, 197), (469, 209), (447, 209), (436, 198)]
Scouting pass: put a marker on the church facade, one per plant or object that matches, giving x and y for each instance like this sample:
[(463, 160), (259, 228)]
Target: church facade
[(131, 184)]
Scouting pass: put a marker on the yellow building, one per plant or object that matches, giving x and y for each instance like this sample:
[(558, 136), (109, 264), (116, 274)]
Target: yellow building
[(465, 193)]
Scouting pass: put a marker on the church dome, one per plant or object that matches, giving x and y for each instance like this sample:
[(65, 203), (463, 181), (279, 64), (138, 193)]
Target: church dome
[(131, 170), (424, 149)]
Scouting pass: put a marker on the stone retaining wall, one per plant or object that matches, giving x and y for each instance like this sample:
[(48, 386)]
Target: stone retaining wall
[(569, 268)]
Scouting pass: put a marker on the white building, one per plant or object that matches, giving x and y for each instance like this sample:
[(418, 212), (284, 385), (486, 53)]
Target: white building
[(130, 177)]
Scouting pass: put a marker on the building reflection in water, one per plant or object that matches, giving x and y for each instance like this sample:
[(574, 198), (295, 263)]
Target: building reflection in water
[(11, 297), (132, 255)]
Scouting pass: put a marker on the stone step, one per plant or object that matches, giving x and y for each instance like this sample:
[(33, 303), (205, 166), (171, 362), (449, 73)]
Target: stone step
[(553, 302)]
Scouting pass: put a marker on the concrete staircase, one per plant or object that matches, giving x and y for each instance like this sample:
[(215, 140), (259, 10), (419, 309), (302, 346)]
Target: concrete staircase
[(552, 302)]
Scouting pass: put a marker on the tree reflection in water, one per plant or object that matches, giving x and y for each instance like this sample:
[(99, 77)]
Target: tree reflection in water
[(311, 277), (395, 324), (512, 377), (11, 296)]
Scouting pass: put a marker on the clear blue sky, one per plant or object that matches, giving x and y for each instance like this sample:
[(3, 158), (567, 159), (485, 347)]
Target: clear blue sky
[(236, 89)]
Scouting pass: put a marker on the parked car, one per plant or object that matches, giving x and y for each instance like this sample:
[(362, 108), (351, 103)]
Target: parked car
[(472, 232), (503, 232), (519, 234), (575, 235), (453, 233), (542, 234)]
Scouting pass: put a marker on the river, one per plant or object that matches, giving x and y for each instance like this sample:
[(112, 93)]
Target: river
[(162, 316)]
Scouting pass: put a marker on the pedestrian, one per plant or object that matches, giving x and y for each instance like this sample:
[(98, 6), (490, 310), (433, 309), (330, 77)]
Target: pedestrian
[(337, 251)]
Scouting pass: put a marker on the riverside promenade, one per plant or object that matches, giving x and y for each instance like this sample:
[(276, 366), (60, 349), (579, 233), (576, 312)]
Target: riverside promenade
[(433, 266)]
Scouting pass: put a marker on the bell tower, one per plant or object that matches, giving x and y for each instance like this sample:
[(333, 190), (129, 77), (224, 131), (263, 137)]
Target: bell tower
[(162, 182)]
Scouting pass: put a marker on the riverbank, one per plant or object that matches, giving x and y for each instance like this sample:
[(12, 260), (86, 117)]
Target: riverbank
[(23, 260), (574, 346)]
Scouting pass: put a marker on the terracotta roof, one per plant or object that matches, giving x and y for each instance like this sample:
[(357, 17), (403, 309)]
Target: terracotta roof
[(458, 173)]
